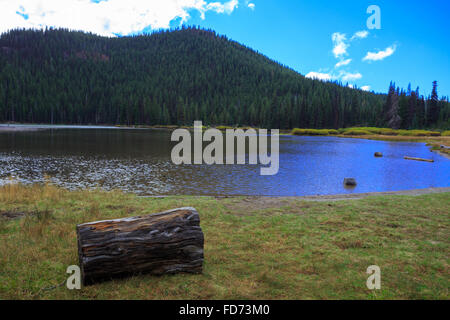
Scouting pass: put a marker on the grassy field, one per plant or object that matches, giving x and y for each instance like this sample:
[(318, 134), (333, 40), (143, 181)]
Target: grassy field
[(254, 249)]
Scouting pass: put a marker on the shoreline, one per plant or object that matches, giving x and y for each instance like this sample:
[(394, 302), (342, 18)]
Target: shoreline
[(356, 196), (5, 128), (325, 197), (434, 142)]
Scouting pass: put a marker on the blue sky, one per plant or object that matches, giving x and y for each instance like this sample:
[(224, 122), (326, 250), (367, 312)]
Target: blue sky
[(411, 46)]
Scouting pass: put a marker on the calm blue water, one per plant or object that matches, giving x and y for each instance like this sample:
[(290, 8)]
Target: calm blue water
[(139, 161)]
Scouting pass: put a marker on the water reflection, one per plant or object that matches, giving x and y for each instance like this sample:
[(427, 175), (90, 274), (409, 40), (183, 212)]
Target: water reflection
[(139, 161)]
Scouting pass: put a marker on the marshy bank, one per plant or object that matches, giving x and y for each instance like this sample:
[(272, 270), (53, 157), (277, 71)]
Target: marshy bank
[(290, 249), (438, 141)]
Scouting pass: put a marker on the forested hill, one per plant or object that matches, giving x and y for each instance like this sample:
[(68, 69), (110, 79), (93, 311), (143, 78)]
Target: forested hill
[(168, 77)]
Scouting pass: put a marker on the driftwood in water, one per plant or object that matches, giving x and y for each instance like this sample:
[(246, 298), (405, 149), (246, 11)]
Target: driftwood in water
[(418, 159), (160, 243)]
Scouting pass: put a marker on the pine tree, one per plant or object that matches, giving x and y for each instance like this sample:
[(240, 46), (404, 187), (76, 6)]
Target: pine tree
[(433, 106), (176, 76), (392, 118)]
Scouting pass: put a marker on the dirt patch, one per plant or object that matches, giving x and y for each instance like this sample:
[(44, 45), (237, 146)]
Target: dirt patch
[(247, 205), (263, 205), (250, 204)]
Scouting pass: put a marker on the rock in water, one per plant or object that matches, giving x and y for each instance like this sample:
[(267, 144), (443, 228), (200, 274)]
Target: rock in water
[(349, 181), (160, 243), (378, 154)]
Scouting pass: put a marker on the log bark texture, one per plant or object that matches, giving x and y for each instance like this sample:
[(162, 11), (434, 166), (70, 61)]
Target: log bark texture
[(161, 243)]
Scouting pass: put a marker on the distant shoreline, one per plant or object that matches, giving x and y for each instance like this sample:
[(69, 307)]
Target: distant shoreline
[(433, 142), (13, 128), (38, 127)]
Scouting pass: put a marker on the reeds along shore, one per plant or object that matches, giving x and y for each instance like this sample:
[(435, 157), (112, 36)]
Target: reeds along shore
[(360, 131), (438, 141)]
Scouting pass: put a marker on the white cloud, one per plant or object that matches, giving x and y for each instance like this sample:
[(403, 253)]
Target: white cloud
[(319, 76), (343, 75), (251, 6), (227, 7), (380, 55), (343, 63), (347, 76), (107, 17), (360, 35), (339, 44)]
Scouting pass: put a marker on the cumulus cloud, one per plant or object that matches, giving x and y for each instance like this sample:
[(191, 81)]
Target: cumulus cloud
[(343, 75), (347, 76), (339, 44), (360, 35), (107, 17), (227, 7), (380, 55), (250, 4), (343, 63), (319, 76)]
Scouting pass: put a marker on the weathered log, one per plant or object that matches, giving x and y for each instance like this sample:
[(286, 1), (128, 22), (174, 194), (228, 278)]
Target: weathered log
[(161, 243), (418, 159)]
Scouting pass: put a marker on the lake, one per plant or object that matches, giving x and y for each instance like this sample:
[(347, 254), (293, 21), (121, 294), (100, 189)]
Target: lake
[(138, 160)]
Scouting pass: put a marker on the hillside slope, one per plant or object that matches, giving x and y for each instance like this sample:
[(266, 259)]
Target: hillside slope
[(169, 77)]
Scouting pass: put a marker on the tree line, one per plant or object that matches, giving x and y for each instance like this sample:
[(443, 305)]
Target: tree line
[(174, 77), (409, 110)]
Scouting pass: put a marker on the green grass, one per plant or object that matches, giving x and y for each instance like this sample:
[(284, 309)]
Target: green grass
[(390, 132), (366, 131), (313, 132), (356, 132), (288, 249), (418, 133), (370, 130)]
